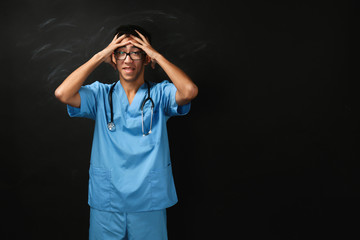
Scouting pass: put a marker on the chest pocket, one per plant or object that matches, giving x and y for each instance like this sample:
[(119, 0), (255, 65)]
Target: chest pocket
[(148, 140)]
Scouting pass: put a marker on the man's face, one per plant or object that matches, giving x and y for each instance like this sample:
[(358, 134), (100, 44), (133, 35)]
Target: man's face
[(130, 69)]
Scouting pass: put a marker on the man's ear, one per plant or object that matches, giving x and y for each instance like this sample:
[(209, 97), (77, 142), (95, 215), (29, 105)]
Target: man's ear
[(113, 58)]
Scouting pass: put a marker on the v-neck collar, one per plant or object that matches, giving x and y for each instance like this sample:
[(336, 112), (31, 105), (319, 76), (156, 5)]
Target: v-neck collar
[(120, 92)]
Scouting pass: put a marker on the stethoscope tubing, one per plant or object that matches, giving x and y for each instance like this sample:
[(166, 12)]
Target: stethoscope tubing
[(111, 124)]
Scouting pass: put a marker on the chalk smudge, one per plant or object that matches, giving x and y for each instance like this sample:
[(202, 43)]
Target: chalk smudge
[(40, 49), (47, 22), (37, 52)]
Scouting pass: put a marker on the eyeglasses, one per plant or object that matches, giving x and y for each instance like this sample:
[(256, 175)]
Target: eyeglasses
[(133, 55)]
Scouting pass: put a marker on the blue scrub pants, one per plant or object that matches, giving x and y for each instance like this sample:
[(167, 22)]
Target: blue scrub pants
[(127, 226)]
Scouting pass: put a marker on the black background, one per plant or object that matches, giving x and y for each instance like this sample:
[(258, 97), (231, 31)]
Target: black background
[(268, 151)]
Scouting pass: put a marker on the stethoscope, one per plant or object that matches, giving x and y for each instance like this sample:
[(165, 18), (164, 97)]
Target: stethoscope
[(111, 124)]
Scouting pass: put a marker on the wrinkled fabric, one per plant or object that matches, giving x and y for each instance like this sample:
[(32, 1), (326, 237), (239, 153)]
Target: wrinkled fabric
[(130, 172), (127, 226)]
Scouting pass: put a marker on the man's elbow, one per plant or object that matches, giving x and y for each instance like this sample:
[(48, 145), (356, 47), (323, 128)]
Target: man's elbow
[(186, 95), (191, 92), (59, 94)]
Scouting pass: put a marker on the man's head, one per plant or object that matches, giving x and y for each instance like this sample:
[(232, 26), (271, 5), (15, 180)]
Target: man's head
[(130, 29), (130, 60)]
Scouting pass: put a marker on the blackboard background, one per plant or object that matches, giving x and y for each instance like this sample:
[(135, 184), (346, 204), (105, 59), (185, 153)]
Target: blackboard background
[(269, 150)]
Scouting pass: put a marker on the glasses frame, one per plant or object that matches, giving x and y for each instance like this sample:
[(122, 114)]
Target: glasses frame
[(129, 54)]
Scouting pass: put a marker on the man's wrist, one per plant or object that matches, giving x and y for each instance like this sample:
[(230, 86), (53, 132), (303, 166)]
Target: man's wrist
[(100, 56), (158, 57)]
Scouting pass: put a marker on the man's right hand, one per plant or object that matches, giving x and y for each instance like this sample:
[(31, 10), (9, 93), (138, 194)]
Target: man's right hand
[(68, 91), (109, 50)]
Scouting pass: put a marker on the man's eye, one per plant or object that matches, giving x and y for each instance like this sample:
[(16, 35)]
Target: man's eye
[(122, 52)]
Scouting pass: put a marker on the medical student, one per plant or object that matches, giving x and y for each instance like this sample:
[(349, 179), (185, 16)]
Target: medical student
[(130, 176)]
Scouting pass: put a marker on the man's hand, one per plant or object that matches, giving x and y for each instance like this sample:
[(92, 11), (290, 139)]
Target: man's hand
[(144, 44), (68, 91), (186, 89), (109, 50)]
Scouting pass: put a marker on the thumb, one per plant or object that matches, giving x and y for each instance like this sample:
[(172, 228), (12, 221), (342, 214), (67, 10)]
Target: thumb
[(153, 63)]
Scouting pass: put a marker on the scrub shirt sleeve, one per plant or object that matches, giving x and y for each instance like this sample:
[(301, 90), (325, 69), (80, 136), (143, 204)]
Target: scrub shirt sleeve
[(169, 101), (88, 96)]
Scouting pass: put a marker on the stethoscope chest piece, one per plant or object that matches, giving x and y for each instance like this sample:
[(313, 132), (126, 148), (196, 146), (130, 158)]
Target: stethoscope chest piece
[(111, 126)]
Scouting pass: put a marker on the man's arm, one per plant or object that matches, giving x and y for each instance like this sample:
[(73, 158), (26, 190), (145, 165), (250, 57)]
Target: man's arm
[(68, 91), (186, 89)]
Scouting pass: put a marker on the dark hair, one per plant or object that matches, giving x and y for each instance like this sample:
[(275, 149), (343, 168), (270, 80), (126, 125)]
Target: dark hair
[(130, 29)]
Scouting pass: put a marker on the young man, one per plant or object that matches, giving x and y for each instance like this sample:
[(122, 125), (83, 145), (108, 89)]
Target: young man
[(131, 182)]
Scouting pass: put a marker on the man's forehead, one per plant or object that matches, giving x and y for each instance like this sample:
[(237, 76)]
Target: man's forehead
[(128, 39), (129, 45)]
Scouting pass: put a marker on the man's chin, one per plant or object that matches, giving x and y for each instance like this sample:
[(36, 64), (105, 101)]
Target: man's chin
[(133, 77), (128, 78)]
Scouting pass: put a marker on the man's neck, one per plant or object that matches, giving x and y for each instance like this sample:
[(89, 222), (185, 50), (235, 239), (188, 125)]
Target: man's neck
[(131, 87)]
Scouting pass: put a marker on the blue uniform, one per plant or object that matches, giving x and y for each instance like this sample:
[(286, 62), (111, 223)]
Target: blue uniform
[(149, 225), (130, 172)]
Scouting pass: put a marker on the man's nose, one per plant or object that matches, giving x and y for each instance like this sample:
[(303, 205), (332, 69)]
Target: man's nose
[(128, 59)]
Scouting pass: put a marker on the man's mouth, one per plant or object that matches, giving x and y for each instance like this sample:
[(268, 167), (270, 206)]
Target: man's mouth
[(128, 69)]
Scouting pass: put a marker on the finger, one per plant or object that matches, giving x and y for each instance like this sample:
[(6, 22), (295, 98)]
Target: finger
[(153, 63), (115, 37), (122, 44), (120, 38), (137, 44), (137, 39), (142, 36)]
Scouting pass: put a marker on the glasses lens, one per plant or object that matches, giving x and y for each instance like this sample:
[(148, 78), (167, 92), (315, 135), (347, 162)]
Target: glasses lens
[(120, 55), (136, 55), (133, 55)]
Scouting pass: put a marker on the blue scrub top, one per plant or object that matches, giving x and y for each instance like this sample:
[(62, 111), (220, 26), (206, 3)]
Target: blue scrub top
[(130, 172)]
